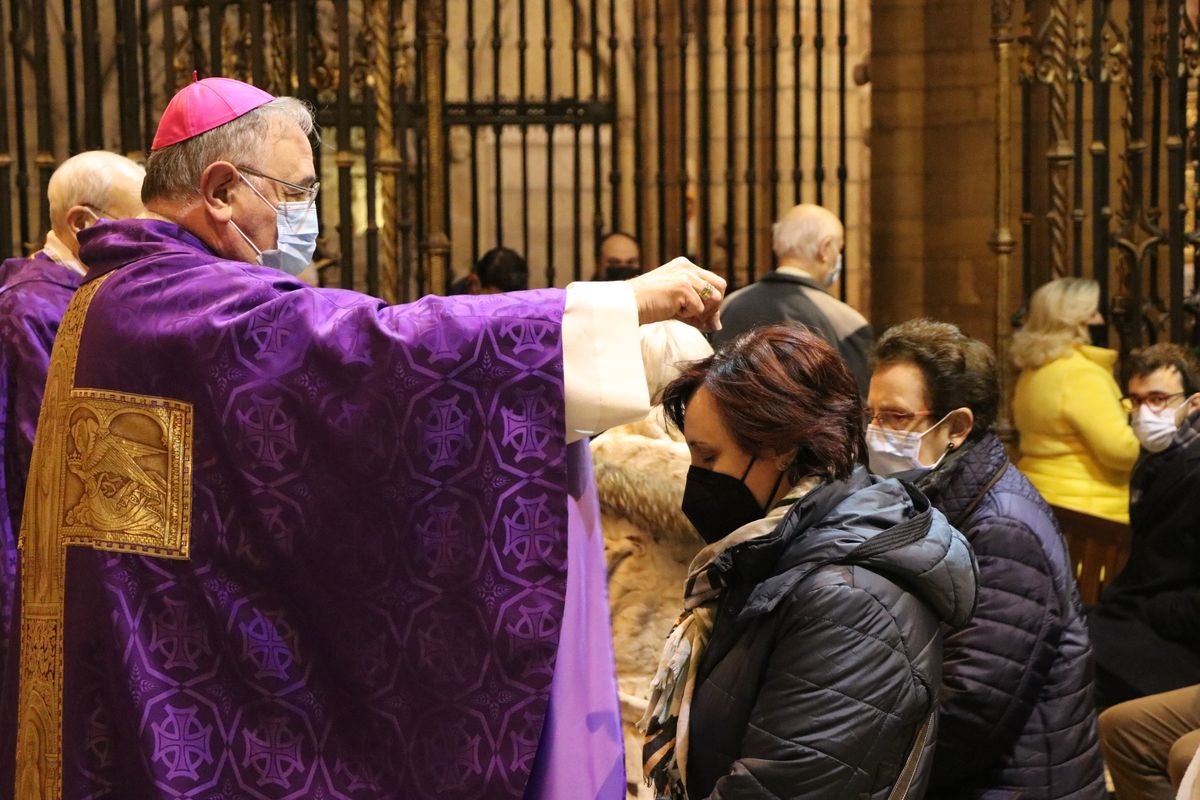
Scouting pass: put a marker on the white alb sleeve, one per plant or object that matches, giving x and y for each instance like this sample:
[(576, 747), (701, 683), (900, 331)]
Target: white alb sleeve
[(603, 376)]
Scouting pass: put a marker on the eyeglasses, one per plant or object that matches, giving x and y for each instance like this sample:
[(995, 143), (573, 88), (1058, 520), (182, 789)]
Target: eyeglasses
[(893, 420), (293, 193), (1155, 401)]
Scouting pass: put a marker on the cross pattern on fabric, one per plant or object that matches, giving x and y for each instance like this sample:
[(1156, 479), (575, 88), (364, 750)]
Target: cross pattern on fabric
[(110, 471)]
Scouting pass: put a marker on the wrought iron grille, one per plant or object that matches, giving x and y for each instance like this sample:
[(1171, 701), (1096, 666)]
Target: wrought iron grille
[(451, 126), (1108, 113)]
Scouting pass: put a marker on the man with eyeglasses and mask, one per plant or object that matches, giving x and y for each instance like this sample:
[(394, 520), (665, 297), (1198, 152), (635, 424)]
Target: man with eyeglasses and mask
[(34, 293), (1146, 627), (320, 545)]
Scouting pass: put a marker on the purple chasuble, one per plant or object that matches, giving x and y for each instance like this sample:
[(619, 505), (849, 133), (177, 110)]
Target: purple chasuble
[(374, 596), (34, 293)]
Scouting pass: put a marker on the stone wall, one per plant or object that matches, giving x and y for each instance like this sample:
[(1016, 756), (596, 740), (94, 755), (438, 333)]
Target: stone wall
[(932, 137)]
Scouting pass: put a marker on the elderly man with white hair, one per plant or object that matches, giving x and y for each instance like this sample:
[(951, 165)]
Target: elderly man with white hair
[(34, 293), (808, 243), (319, 545)]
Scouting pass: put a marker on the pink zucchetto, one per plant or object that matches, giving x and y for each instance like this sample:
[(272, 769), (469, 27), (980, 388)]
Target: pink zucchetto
[(203, 105)]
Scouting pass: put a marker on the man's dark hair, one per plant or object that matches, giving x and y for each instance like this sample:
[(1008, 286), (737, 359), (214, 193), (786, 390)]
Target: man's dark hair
[(781, 388), (1145, 360), (959, 371), (503, 269)]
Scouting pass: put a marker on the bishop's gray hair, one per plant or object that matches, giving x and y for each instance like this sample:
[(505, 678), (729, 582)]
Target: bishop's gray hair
[(173, 173)]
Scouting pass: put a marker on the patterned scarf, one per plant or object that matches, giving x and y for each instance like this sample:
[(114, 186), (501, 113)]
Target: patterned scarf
[(665, 723)]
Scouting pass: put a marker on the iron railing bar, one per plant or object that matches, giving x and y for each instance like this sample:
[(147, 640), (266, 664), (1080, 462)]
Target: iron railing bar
[(548, 69), (730, 149), (704, 211), (660, 128), (18, 84), (471, 44), (345, 155), (69, 40), (684, 127), (819, 110)]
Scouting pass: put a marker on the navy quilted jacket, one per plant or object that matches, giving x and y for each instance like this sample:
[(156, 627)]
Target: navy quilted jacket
[(1017, 715)]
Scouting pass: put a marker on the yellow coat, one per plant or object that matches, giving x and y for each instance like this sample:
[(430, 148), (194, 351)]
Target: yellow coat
[(1076, 444)]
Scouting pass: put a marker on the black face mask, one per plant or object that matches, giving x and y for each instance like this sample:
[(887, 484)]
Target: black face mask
[(718, 504), (621, 273)]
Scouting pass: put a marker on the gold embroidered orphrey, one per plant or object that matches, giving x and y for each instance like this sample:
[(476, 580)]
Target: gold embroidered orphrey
[(110, 471)]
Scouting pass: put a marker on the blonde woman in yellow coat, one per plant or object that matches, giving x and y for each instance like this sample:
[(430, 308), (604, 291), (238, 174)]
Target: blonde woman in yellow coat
[(1076, 445)]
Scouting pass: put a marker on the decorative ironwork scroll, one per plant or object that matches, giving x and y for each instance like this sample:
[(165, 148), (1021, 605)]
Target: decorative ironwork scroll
[(1135, 71)]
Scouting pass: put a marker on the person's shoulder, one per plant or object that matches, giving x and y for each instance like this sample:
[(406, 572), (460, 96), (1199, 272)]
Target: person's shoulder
[(1014, 520)]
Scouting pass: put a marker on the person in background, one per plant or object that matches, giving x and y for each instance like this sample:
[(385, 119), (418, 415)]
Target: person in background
[(1146, 627), (807, 660), (34, 293), (1076, 445), (808, 243), (498, 270), (618, 257), (1016, 680), (640, 471)]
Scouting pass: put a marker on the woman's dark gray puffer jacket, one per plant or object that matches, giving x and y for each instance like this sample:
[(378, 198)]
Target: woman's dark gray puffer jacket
[(825, 656)]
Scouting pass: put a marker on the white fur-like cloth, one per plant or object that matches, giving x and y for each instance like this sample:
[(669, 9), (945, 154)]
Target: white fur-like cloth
[(640, 474)]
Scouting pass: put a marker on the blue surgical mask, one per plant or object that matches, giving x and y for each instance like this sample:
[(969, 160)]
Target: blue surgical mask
[(296, 226), (835, 273)]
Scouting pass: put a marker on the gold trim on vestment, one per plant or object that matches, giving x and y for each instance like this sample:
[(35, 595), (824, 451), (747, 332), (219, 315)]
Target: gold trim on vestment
[(111, 471)]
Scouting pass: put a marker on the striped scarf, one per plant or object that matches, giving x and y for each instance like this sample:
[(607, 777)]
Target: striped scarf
[(665, 723)]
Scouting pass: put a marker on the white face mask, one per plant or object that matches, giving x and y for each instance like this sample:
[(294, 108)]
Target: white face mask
[(892, 452), (835, 273), (1154, 429), (296, 230)]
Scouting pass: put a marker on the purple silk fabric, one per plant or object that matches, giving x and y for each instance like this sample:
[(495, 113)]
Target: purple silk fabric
[(34, 293), (582, 752), (375, 592)]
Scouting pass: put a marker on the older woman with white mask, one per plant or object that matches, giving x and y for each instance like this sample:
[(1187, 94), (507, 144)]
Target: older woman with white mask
[(1016, 679)]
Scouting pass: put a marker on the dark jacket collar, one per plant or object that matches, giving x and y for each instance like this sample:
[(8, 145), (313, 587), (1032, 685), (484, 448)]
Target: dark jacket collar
[(955, 487), (778, 276)]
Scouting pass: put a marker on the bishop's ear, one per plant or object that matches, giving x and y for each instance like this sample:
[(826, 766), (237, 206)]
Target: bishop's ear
[(217, 185)]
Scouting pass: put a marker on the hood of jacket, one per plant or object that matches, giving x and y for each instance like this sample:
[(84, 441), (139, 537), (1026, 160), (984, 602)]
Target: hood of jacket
[(884, 525)]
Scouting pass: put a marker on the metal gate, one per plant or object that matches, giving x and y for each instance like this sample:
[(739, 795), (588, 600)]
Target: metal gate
[(451, 126), (1107, 111)]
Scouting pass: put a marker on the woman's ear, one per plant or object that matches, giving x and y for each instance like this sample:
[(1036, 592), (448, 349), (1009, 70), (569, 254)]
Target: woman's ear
[(961, 422)]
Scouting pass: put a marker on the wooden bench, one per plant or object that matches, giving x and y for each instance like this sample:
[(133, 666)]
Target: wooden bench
[(1098, 548)]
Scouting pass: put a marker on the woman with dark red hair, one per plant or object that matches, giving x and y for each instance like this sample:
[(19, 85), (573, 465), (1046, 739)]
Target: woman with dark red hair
[(807, 662)]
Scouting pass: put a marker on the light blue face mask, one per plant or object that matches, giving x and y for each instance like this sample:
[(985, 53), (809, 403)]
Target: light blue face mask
[(296, 226), (835, 273)]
